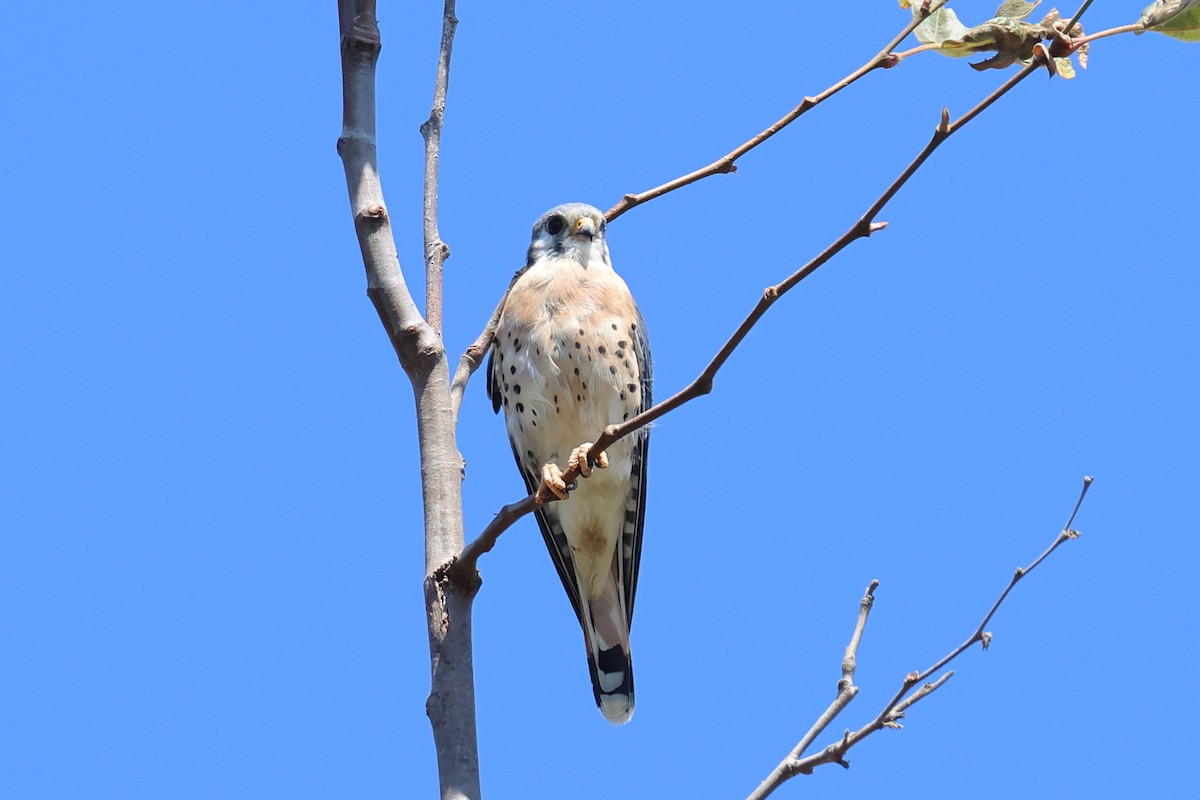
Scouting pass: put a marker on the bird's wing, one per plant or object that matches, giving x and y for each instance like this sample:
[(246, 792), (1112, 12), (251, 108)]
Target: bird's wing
[(635, 501)]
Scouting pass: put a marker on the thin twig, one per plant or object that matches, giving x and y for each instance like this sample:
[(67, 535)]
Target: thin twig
[(980, 634), (472, 358), (1135, 28), (436, 251), (726, 163), (846, 692), (703, 383), (918, 49), (1078, 14), (909, 694)]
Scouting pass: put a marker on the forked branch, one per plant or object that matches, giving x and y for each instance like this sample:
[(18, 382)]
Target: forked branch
[(702, 385), (910, 692), (728, 162)]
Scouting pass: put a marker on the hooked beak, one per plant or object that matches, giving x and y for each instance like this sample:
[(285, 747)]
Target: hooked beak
[(585, 228)]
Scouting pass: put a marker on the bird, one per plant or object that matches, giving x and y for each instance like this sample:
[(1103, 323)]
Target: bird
[(570, 356)]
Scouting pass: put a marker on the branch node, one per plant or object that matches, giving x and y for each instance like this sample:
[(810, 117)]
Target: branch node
[(876, 227), (771, 293), (944, 125), (375, 213), (985, 639)]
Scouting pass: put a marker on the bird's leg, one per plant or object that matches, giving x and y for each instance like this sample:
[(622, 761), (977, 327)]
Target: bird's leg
[(552, 484), (579, 458)]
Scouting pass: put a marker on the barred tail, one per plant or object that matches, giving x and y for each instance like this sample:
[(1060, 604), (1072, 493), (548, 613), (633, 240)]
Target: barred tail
[(606, 634)]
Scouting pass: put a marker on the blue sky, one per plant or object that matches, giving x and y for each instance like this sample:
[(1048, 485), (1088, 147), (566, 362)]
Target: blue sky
[(210, 555)]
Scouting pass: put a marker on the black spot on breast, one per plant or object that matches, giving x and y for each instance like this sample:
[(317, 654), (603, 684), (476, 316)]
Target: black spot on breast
[(632, 387), (585, 386), (520, 408), (601, 350), (516, 388), (529, 455), (612, 370), (622, 344), (579, 398), (622, 395), (614, 326), (578, 346), (581, 331), (626, 363), (577, 370), (512, 370), (620, 354)]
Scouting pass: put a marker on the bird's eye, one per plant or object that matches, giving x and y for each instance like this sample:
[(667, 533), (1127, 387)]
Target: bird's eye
[(555, 224)]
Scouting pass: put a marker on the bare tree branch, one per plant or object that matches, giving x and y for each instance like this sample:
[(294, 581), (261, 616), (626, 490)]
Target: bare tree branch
[(796, 764), (412, 339), (1136, 27), (436, 251), (846, 692), (702, 385), (451, 703), (472, 358), (727, 163)]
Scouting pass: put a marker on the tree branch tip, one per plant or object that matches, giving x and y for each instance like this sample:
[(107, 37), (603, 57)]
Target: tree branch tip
[(944, 124), (1070, 533), (876, 227)]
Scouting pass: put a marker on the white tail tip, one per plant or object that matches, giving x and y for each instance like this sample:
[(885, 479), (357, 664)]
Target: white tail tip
[(616, 708)]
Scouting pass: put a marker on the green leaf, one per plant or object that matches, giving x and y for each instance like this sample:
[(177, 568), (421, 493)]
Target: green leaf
[(941, 25), (1179, 19), (1017, 9)]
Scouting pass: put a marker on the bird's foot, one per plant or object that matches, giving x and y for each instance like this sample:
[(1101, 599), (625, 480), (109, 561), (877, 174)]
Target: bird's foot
[(579, 458), (552, 484)]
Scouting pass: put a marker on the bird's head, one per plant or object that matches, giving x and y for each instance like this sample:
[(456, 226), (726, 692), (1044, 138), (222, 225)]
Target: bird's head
[(572, 230)]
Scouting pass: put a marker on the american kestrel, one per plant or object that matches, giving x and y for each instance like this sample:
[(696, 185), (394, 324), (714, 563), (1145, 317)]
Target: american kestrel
[(571, 357)]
